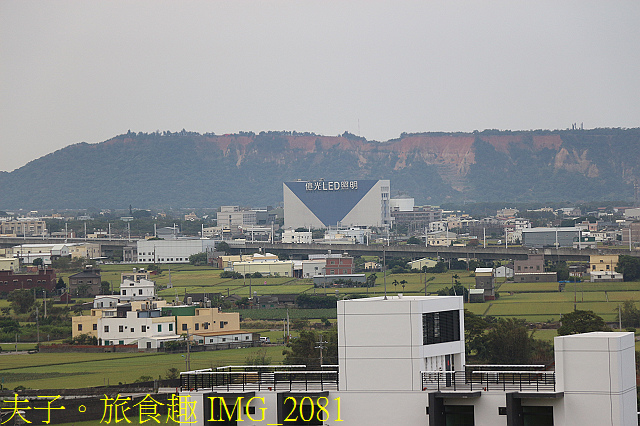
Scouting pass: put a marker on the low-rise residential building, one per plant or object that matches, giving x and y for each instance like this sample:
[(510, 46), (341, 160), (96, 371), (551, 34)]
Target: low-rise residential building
[(532, 270), (137, 290), (86, 283), (226, 261), (136, 275), (422, 263), (9, 264), (441, 238), (44, 278), (603, 262), (220, 337), (27, 253), (533, 263), (504, 271), (192, 319), (267, 264), (350, 236), (23, 227), (297, 237), (485, 280), (85, 250), (129, 328), (606, 276)]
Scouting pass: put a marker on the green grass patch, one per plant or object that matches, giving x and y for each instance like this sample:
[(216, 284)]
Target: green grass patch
[(281, 313)]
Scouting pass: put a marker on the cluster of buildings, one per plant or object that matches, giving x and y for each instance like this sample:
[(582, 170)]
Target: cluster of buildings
[(137, 316), (401, 360), (601, 268), (28, 253), (322, 268)]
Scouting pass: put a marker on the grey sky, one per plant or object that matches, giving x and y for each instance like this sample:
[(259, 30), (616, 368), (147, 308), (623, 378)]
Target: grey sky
[(74, 71)]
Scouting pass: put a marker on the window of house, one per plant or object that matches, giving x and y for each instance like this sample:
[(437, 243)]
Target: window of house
[(132, 329), (124, 292), (106, 328), (143, 328), (205, 325), (95, 326), (184, 327), (223, 323), (440, 327), (197, 326), (159, 327), (170, 327), (121, 328), (79, 327), (235, 338)]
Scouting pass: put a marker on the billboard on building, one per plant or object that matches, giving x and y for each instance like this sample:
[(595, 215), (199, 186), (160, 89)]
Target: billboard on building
[(327, 202)]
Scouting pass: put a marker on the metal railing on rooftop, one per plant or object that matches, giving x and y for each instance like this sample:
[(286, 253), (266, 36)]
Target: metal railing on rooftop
[(484, 380), (261, 378)]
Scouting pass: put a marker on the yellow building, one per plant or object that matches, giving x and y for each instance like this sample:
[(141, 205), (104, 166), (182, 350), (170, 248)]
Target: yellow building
[(205, 319), (9, 264), (86, 250), (603, 262), (86, 324), (275, 268)]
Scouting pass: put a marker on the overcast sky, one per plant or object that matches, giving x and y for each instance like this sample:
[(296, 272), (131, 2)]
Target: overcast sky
[(74, 71)]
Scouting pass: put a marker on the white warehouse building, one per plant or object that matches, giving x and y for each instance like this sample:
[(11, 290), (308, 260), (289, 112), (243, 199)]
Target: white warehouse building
[(172, 251), (324, 203)]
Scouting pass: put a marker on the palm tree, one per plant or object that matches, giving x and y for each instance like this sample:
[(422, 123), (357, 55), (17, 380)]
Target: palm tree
[(403, 282), (395, 284)]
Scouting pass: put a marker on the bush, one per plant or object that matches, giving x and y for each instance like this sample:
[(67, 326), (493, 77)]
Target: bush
[(230, 274)]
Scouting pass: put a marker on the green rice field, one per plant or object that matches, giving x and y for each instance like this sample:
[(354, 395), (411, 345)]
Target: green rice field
[(533, 302)]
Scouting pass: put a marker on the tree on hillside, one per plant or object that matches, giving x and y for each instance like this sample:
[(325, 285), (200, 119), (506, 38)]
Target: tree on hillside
[(302, 349), (222, 246), (60, 285), (105, 287), (629, 267), (630, 315), (371, 280), (507, 342), (198, 259), (414, 240), (21, 300), (581, 322)]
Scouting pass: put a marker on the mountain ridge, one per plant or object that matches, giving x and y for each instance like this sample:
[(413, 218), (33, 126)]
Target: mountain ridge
[(206, 170)]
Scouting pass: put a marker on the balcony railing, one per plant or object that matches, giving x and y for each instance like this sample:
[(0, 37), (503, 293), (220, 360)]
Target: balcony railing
[(497, 380), (268, 378)]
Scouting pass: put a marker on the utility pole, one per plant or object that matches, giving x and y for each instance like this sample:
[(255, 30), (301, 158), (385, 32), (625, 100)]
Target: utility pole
[(37, 327), (384, 271), (619, 318), (188, 359), (321, 346)]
